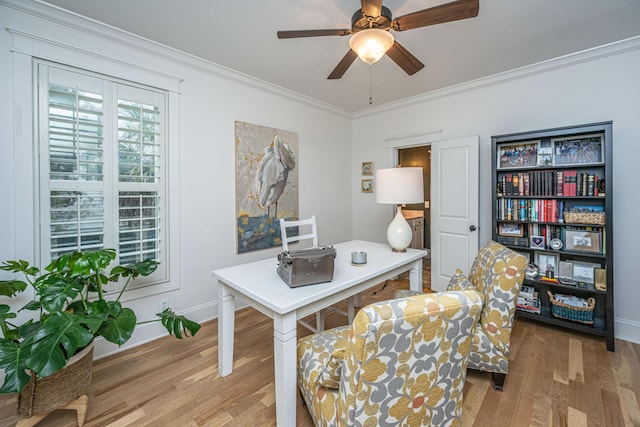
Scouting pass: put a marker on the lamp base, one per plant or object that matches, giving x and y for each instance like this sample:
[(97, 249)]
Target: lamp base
[(399, 233), (398, 250)]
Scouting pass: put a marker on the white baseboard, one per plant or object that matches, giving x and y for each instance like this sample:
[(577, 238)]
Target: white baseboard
[(627, 330)]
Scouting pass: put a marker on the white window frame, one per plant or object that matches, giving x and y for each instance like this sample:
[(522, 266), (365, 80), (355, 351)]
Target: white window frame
[(26, 50)]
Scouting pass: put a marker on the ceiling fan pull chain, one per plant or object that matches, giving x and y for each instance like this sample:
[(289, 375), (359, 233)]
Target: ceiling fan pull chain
[(370, 95)]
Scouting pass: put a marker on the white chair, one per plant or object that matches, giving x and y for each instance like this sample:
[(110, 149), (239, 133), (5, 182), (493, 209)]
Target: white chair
[(311, 222), (308, 226)]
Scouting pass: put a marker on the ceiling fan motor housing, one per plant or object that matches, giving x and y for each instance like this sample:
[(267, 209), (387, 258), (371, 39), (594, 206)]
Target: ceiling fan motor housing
[(359, 21)]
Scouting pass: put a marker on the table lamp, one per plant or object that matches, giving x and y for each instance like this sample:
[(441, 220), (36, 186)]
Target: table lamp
[(399, 186)]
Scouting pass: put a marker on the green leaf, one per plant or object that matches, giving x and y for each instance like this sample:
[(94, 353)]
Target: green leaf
[(21, 266), (119, 327), (99, 260), (178, 325), (32, 305), (142, 268), (28, 329), (10, 288), (13, 361), (57, 292), (8, 331), (61, 331)]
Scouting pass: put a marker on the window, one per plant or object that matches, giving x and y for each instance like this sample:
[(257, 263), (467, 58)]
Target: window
[(102, 166)]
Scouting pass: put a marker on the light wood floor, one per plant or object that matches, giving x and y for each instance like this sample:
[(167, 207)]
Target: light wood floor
[(557, 378)]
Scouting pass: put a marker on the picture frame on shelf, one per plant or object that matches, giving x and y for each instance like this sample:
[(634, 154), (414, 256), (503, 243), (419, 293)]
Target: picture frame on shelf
[(547, 262), (583, 241), (367, 168), (578, 150), (565, 270), (511, 229), (584, 271), (545, 153), (517, 155), (366, 186), (536, 242)]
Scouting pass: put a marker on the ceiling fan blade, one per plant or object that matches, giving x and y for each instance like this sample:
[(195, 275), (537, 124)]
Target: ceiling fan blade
[(401, 56), (456, 10), (343, 65), (312, 33), (371, 8)]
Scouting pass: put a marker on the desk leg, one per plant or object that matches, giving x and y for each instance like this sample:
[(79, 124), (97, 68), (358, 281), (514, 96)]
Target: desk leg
[(226, 320), (352, 303), (415, 276), (284, 351)]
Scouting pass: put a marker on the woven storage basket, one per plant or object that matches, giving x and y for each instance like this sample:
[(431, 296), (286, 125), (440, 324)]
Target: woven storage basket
[(584, 217), (569, 312), (43, 395)]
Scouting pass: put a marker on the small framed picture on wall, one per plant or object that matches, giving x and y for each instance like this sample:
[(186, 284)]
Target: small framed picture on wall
[(367, 168), (366, 186)]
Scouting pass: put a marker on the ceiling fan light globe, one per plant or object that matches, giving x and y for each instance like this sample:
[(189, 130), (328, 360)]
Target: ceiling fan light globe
[(371, 44)]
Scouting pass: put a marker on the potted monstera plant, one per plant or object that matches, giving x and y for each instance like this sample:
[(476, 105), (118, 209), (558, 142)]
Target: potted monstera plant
[(69, 309)]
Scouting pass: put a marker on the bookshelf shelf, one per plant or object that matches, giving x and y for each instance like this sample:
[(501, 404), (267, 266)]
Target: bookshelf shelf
[(539, 177)]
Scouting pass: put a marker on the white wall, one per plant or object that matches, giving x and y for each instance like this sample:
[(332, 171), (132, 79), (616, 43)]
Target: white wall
[(211, 99), (598, 85)]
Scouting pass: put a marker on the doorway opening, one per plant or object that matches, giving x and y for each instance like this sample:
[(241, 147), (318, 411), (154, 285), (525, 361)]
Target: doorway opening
[(418, 214)]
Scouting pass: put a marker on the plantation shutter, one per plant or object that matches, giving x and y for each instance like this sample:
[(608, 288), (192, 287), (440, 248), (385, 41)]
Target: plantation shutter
[(140, 168), (102, 166), (76, 162)]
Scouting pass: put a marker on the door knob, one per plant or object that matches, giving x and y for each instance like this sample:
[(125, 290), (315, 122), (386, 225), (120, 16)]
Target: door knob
[(472, 228)]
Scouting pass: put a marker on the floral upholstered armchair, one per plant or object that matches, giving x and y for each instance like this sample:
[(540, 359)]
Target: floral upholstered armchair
[(401, 362), (497, 273)]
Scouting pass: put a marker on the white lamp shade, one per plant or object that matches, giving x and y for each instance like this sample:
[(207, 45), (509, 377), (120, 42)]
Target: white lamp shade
[(371, 44), (399, 185)]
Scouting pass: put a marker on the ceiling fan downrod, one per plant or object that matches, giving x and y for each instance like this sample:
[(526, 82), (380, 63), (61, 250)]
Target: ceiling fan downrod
[(370, 94)]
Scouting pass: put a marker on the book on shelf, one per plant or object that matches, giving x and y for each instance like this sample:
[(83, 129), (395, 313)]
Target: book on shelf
[(527, 291), (559, 183), (570, 183), (527, 309), (530, 305)]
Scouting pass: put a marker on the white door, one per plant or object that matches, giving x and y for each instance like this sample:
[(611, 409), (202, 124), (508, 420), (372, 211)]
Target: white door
[(454, 208)]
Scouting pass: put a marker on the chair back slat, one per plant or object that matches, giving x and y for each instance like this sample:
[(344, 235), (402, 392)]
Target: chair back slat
[(312, 235)]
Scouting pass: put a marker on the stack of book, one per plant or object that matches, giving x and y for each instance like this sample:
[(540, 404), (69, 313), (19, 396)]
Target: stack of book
[(528, 300)]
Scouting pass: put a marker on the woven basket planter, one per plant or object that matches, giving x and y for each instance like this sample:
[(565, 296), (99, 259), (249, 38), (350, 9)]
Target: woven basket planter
[(44, 395)]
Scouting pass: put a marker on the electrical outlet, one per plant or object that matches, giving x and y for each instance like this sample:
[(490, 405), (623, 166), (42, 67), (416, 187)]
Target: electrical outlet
[(164, 304)]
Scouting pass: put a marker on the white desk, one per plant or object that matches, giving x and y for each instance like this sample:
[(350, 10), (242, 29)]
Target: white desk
[(258, 284)]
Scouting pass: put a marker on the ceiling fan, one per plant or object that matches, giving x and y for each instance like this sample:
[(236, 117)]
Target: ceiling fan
[(373, 15)]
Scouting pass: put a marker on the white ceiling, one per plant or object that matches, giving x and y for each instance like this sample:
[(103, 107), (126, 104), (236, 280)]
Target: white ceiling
[(241, 35)]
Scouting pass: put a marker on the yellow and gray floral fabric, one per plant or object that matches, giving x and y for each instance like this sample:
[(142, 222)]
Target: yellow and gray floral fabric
[(497, 273), (401, 362)]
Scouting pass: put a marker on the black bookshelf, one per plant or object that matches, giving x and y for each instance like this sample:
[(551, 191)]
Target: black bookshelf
[(552, 203)]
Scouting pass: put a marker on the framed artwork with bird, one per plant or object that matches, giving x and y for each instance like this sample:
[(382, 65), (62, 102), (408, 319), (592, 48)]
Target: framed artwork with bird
[(266, 184)]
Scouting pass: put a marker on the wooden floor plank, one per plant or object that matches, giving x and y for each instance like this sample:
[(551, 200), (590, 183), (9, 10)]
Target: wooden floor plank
[(576, 370)]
